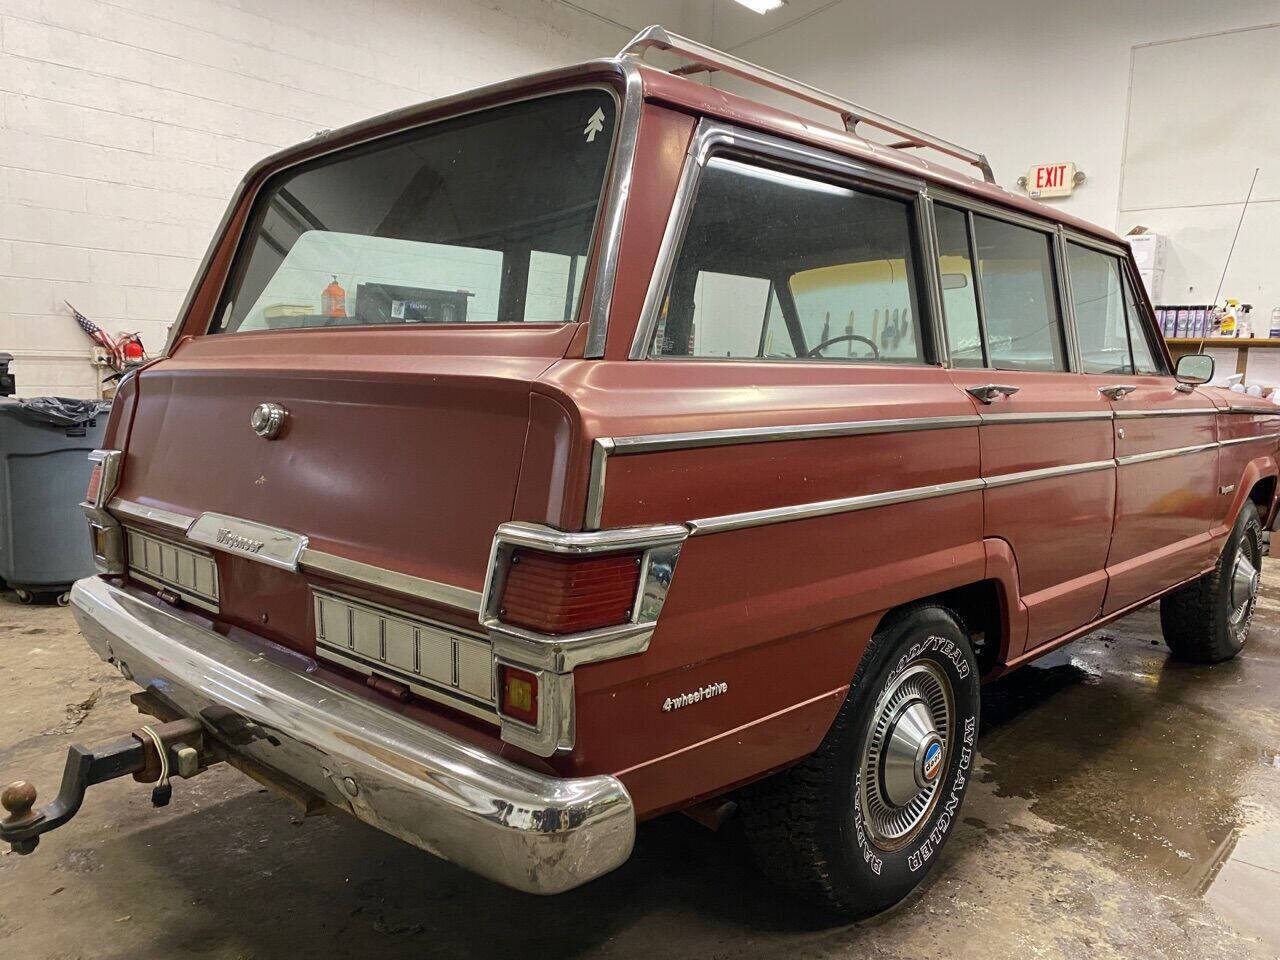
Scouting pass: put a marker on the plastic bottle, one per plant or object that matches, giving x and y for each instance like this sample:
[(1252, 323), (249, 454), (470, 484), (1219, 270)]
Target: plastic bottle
[(1231, 319), (333, 300), (1274, 331)]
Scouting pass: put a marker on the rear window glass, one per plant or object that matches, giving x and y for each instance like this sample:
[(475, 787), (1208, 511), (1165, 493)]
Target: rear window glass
[(486, 218)]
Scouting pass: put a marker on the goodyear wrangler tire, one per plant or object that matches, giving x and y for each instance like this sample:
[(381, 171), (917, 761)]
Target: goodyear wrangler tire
[(857, 825), (1208, 621)]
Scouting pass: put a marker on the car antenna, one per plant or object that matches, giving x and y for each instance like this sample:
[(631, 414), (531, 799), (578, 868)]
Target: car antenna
[(1223, 278)]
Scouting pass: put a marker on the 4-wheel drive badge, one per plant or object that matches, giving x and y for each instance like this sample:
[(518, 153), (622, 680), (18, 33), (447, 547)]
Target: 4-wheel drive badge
[(694, 696), (267, 420)]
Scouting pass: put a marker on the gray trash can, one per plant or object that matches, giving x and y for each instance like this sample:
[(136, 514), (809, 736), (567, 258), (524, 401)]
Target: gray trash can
[(44, 471)]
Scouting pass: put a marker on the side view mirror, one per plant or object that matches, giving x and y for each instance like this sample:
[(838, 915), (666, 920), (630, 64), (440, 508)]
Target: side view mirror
[(1194, 368)]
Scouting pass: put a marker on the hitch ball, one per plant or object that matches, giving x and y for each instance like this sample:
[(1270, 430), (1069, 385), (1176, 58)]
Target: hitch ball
[(17, 799)]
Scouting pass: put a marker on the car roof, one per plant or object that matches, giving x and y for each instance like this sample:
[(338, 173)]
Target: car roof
[(680, 93)]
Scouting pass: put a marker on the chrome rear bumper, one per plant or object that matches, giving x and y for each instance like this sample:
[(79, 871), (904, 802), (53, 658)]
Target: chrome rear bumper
[(536, 833)]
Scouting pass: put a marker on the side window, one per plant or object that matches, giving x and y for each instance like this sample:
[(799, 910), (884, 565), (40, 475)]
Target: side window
[(778, 265), (1145, 359), (1019, 297), (959, 295), (1099, 310)]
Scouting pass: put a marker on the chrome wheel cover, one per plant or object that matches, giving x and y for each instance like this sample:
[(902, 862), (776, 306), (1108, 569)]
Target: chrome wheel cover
[(1246, 579), (906, 754)]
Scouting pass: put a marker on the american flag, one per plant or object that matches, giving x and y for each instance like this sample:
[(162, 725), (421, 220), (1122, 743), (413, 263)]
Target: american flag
[(114, 349)]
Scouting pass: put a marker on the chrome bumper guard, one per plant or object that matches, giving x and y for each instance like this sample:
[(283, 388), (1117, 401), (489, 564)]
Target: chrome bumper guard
[(523, 829)]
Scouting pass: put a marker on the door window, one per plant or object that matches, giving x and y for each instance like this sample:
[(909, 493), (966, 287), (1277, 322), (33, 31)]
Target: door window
[(959, 293), (1099, 309), (1145, 358), (777, 265), (1019, 297)]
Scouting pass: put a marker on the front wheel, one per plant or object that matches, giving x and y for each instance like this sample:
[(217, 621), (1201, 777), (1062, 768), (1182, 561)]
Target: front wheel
[(1207, 621), (857, 825)]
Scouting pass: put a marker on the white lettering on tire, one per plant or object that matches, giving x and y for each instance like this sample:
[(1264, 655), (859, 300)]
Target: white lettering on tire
[(947, 817)]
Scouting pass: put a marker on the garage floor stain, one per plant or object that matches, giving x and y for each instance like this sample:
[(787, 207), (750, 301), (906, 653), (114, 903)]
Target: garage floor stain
[(1126, 806)]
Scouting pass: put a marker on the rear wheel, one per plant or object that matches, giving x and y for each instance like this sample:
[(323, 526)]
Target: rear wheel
[(1208, 621), (857, 825)]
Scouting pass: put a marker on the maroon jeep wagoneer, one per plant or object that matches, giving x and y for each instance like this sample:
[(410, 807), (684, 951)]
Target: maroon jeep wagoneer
[(600, 444)]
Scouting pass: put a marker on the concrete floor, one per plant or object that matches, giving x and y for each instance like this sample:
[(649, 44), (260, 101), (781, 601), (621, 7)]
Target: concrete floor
[(1125, 806)]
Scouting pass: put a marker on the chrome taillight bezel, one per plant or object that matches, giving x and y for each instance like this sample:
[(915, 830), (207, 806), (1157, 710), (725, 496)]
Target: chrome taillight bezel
[(106, 539), (553, 657)]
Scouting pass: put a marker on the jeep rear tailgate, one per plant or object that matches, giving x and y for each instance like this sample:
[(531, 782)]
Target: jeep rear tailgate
[(400, 448)]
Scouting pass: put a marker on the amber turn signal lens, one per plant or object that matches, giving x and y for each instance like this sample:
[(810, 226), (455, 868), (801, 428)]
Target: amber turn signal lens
[(95, 484), (100, 542), (519, 694), (560, 593)]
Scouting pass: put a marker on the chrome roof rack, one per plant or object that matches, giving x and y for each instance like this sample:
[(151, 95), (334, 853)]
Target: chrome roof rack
[(701, 58)]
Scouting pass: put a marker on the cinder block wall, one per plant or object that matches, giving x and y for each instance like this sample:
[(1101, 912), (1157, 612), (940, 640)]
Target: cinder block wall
[(125, 124)]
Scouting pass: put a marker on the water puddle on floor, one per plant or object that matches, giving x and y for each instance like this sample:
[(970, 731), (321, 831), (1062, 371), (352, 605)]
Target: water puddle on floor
[(1165, 772)]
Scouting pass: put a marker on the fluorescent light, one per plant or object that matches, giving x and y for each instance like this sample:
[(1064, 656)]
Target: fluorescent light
[(762, 6)]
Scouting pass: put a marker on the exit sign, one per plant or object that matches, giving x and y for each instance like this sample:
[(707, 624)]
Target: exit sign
[(1050, 180)]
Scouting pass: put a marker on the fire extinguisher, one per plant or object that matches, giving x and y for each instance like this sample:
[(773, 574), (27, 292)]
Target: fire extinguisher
[(333, 300)]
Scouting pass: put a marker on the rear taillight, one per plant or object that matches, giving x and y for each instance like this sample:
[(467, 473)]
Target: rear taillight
[(103, 477), (556, 600), (95, 483), (519, 694), (104, 529), (559, 593)]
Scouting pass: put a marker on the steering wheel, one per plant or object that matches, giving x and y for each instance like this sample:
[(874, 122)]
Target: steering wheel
[(817, 351)]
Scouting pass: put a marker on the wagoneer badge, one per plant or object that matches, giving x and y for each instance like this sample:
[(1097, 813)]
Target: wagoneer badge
[(236, 542), (267, 420)]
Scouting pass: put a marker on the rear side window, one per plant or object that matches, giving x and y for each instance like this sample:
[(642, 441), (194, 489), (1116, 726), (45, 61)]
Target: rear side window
[(1099, 308), (483, 218), (1019, 296), (775, 265)]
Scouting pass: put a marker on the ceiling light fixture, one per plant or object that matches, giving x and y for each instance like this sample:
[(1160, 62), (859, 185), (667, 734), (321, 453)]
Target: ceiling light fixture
[(762, 6)]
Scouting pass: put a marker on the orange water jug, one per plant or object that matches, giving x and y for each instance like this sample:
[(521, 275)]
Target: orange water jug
[(333, 300)]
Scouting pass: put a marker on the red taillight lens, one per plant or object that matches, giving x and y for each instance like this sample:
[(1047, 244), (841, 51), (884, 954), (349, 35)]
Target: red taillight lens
[(95, 483), (560, 593), (519, 694)]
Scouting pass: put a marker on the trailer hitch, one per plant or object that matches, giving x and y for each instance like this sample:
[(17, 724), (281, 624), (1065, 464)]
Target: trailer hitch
[(151, 754)]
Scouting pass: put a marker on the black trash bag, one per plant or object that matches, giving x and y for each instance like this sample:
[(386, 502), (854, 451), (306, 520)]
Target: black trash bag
[(59, 411)]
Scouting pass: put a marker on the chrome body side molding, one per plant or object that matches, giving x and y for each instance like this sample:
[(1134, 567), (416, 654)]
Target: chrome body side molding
[(178, 522), (1164, 454), (366, 574), (534, 832), (1236, 440)]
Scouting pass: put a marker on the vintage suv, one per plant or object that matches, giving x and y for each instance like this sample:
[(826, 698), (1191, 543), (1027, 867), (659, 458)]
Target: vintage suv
[(600, 444)]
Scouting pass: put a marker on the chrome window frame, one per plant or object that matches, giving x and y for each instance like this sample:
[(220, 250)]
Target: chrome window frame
[(606, 231), (972, 207), (715, 136)]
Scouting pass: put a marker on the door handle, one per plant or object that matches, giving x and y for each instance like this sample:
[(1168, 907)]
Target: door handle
[(989, 392), (1117, 392)]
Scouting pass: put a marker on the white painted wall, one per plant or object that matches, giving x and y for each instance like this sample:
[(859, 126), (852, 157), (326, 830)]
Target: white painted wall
[(125, 124), (1037, 82)]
